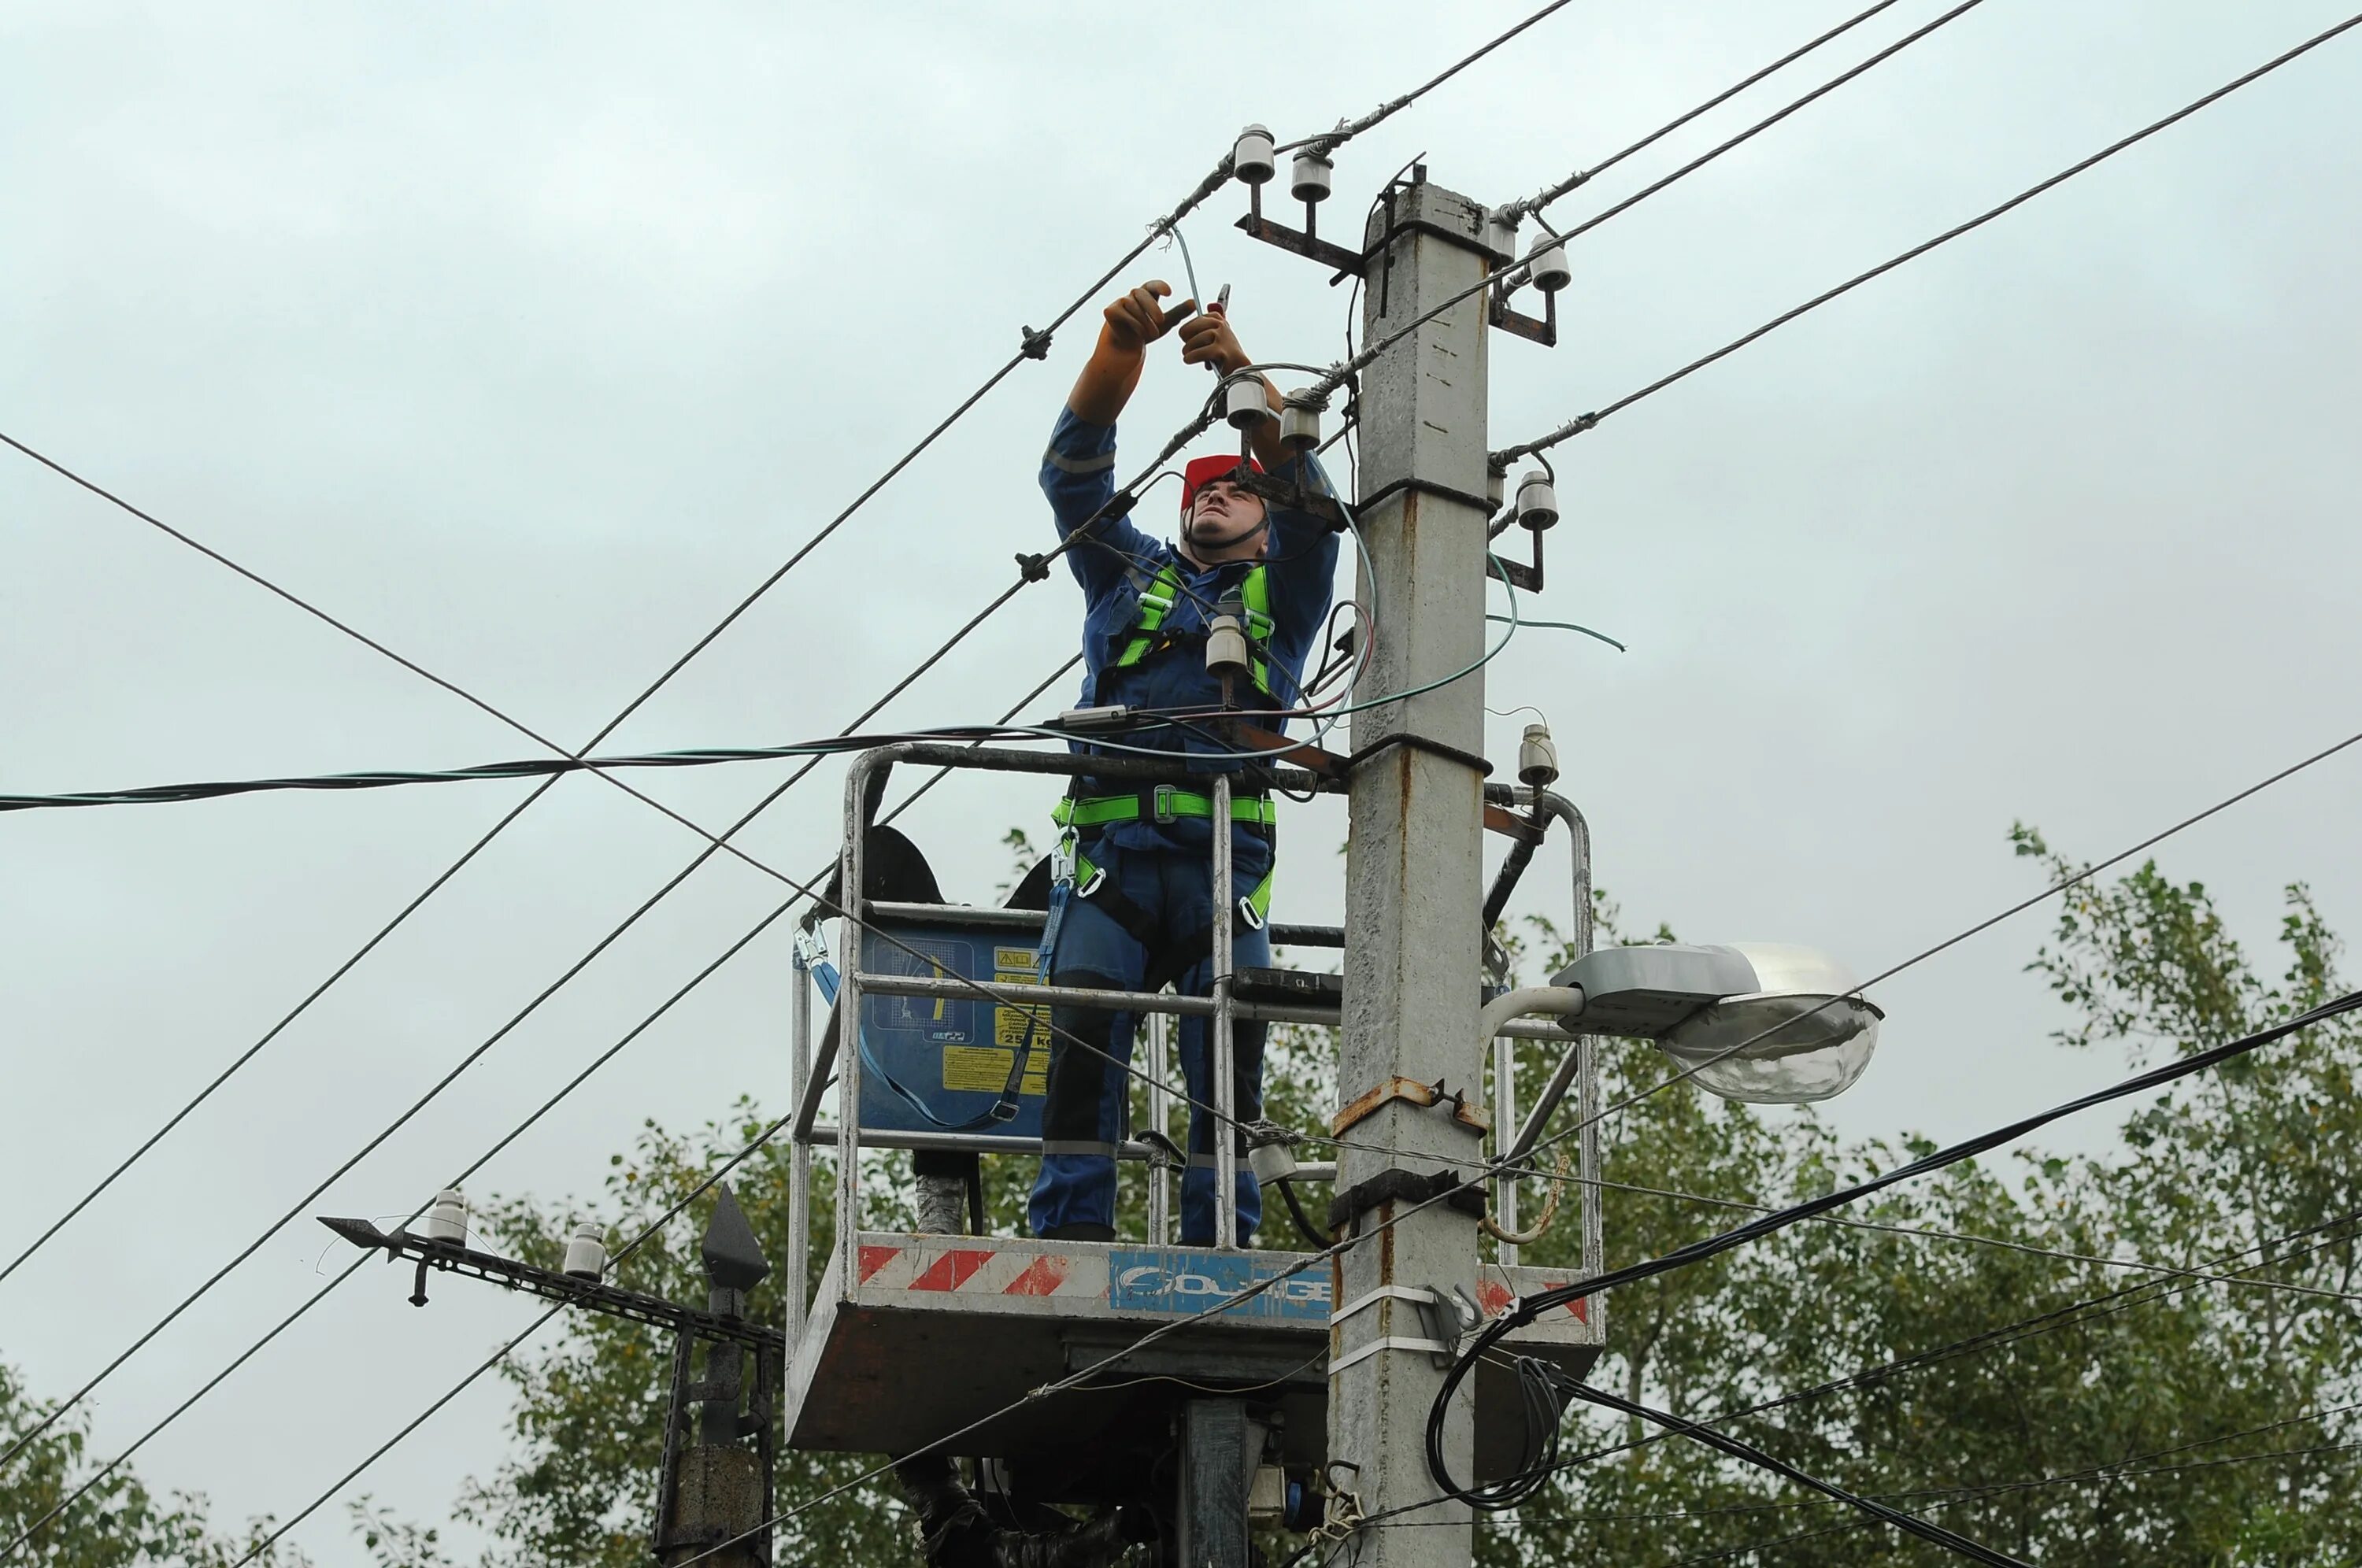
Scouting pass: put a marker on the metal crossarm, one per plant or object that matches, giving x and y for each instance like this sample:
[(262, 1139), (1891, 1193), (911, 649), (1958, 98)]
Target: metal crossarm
[(450, 1257)]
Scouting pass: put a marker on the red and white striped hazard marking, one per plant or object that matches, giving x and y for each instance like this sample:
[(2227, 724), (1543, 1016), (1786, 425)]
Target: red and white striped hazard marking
[(981, 1271), (1492, 1293)]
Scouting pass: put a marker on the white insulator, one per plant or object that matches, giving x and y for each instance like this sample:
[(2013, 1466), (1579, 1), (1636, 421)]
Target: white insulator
[(1537, 758), (586, 1252), (446, 1217), (1253, 159), (1537, 501), (1309, 179), (1226, 648), (1244, 402), (1271, 1162), (1299, 426), (1500, 235), (1548, 262)]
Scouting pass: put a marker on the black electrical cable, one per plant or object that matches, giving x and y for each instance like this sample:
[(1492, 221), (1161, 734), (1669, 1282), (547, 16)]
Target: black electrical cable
[(1976, 1552), (717, 844), (1528, 1307), (266, 1542), (1036, 345), (2082, 875), (2074, 1314), (1550, 194), (2165, 1272), (1509, 273), (536, 767), (466, 1062), (1329, 141), (1953, 1497), (906, 802), (1582, 422), (1304, 1225), (1831, 85)]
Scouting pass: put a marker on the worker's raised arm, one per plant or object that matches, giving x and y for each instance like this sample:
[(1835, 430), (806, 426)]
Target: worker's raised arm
[(1133, 321), (1208, 339)]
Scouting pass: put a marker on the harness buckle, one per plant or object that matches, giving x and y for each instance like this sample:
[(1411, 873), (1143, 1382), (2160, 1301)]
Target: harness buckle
[(810, 950), (1162, 804)]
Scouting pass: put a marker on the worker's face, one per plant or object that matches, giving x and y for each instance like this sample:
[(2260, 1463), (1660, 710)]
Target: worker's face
[(1223, 517)]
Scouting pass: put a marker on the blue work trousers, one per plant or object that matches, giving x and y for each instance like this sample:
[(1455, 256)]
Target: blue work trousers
[(1158, 922)]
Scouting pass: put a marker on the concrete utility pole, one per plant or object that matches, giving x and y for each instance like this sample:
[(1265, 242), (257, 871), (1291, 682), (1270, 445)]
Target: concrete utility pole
[(1414, 867)]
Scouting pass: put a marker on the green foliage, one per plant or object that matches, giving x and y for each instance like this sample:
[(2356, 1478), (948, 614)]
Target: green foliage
[(2070, 1412), (120, 1523), (2028, 1393)]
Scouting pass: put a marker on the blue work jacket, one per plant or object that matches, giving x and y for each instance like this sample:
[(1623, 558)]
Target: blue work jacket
[(1118, 560)]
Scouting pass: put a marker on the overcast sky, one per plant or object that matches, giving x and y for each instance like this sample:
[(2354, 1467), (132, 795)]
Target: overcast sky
[(529, 338)]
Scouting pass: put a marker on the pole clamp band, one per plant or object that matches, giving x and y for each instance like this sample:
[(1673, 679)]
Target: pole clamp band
[(1399, 1186)]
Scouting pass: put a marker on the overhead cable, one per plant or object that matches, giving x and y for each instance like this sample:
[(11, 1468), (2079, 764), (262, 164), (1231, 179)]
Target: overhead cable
[(1339, 374), (1702, 159), (1515, 211), (1526, 1308), (2074, 1314), (1582, 422), (1036, 345), (2082, 875), (2110, 1472), (1951, 1540), (1329, 141), (658, 1223), (712, 848), (1936, 1233), (509, 1137)]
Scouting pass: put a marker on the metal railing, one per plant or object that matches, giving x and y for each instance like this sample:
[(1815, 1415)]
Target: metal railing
[(812, 1069)]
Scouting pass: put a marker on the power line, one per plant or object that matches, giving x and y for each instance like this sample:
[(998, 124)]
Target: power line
[(1755, 1230), (1515, 211), (1879, 1512), (1934, 1233), (2084, 874), (259, 1547), (468, 1060), (1527, 1308), (1338, 375), (1582, 422), (1036, 345), (1035, 569), (2095, 1473), (1346, 131), (1831, 85), (506, 1140), (1941, 1497), (525, 768), (2074, 1314)]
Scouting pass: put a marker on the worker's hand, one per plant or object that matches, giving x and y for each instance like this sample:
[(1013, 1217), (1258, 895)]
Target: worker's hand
[(1208, 339), (1135, 320)]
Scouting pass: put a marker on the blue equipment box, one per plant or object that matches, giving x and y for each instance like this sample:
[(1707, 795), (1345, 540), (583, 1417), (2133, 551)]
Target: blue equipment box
[(943, 1064)]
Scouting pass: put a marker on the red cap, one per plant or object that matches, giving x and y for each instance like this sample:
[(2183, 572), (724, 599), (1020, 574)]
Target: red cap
[(1203, 471)]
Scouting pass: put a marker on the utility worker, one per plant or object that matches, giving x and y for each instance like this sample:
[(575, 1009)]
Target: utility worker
[(1140, 910)]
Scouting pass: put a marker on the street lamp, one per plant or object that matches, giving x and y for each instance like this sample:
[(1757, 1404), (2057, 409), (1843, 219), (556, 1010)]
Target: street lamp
[(1762, 1022)]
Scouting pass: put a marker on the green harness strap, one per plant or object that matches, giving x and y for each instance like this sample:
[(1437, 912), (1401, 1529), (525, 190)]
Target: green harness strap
[(1156, 601), (1164, 804)]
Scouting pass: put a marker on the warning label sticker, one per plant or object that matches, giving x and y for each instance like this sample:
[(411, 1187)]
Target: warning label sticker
[(1021, 959), (1010, 1024), (985, 1070)]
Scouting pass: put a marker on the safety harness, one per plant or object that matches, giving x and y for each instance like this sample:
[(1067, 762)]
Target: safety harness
[(1162, 802), (1159, 594)]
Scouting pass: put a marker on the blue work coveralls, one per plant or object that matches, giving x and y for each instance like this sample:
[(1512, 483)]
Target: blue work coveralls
[(1162, 870)]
